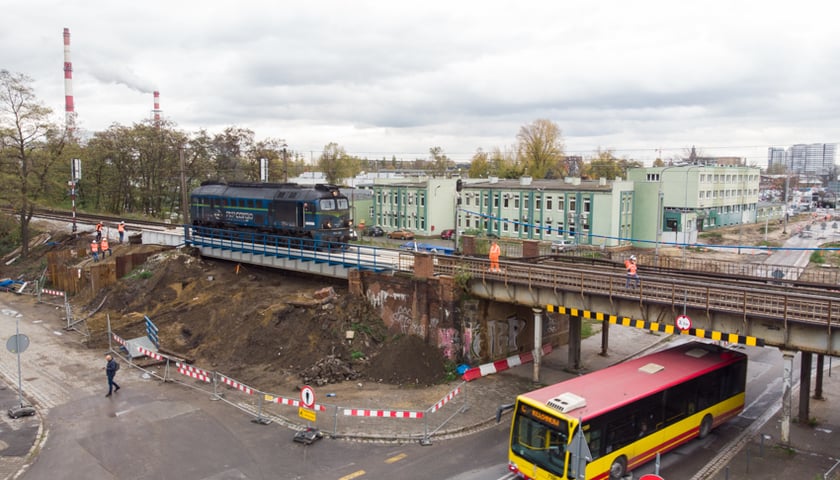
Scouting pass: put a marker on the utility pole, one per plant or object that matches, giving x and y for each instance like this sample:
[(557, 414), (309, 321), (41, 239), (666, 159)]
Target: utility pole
[(185, 208)]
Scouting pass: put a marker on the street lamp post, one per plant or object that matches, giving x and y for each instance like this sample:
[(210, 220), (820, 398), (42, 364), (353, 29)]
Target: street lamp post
[(685, 209)]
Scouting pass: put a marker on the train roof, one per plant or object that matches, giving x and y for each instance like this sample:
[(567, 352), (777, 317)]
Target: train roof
[(265, 190), (629, 381)]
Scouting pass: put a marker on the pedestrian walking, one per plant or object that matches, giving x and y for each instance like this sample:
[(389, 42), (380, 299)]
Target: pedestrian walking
[(495, 253), (99, 231), (111, 367), (121, 231), (632, 274), (94, 250), (104, 247)]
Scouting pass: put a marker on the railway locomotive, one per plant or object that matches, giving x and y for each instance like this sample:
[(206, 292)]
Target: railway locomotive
[(318, 212)]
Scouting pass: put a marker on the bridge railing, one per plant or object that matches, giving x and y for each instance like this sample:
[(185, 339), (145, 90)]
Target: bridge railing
[(751, 302)]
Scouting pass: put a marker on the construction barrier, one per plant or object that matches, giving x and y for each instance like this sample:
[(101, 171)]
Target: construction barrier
[(266, 407), (501, 365)]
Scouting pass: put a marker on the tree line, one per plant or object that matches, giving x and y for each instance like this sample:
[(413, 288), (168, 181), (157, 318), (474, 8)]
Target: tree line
[(137, 169)]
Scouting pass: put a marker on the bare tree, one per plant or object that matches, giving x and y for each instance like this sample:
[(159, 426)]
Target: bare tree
[(30, 146)]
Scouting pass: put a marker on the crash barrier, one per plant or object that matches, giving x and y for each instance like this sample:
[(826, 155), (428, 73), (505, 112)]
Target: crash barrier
[(502, 365), (265, 407)]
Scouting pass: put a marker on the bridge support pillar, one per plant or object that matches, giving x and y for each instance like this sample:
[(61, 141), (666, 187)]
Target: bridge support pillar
[(575, 328), (537, 343), (819, 379), (787, 384), (805, 388)]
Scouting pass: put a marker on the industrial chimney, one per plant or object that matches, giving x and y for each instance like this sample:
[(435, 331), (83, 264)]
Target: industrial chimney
[(69, 109), (156, 110)]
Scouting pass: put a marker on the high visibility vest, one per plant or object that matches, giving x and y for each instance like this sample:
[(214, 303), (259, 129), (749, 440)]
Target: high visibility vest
[(495, 251), (121, 228), (105, 245), (94, 247)]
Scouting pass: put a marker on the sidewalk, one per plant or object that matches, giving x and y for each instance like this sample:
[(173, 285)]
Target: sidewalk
[(815, 447)]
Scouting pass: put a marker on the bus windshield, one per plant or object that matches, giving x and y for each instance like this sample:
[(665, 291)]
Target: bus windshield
[(540, 438)]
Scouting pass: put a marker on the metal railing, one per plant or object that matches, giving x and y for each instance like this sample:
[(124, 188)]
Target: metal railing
[(749, 302)]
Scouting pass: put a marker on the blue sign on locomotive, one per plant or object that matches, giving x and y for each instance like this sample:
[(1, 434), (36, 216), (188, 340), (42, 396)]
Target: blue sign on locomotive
[(318, 212)]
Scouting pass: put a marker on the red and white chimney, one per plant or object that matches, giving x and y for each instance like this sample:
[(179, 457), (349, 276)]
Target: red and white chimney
[(157, 107), (69, 108)]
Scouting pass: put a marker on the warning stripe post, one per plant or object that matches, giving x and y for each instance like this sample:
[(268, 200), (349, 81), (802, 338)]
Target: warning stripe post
[(292, 402)]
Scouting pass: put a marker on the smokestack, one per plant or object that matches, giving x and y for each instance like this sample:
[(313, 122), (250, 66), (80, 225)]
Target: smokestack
[(157, 108), (69, 108)]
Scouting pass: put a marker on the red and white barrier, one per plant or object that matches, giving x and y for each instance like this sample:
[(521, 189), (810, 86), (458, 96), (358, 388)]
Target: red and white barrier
[(150, 353), (294, 403), (501, 365), (118, 339), (234, 384), (353, 412), (193, 372), (443, 401), (57, 293)]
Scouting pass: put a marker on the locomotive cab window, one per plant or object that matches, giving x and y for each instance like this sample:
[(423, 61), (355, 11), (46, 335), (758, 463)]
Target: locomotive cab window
[(343, 204), (326, 204)]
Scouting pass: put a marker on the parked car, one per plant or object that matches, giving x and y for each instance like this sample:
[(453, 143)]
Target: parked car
[(401, 234), (447, 234), (562, 245), (374, 231)]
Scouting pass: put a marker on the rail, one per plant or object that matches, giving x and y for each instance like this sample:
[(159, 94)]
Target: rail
[(749, 302)]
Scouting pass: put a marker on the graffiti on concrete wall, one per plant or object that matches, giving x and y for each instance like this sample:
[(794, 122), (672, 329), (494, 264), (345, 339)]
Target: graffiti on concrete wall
[(500, 338), (378, 298), (449, 342)]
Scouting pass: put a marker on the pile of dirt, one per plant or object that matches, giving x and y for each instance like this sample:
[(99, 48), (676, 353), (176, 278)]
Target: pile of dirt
[(263, 327)]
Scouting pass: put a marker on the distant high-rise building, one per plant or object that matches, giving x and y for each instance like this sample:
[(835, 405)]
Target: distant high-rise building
[(813, 160)]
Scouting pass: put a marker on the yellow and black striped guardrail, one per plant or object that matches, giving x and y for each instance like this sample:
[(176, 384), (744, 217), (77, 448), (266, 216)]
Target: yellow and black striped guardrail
[(657, 326)]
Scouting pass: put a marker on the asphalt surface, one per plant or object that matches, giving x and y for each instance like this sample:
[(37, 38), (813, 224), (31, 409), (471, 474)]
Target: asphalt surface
[(151, 429), (149, 426)]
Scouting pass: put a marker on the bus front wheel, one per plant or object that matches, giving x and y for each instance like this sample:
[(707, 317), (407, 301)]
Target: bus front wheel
[(705, 426), (618, 468)]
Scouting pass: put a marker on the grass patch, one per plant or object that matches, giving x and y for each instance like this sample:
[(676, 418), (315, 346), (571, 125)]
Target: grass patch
[(139, 274)]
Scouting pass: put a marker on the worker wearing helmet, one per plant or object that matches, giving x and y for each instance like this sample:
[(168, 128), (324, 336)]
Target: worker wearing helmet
[(632, 274)]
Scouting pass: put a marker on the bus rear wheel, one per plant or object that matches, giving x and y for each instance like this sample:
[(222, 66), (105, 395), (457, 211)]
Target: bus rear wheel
[(705, 426), (618, 468)]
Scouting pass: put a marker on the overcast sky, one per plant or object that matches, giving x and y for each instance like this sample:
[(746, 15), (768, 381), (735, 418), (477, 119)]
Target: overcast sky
[(396, 78)]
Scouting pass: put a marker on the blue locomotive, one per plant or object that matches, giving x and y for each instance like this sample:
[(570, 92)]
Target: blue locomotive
[(318, 212)]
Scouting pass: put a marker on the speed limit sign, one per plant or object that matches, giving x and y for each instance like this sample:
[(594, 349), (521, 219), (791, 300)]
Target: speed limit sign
[(307, 397), (683, 322)]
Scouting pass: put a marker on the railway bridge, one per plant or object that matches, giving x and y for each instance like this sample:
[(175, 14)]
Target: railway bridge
[(761, 312)]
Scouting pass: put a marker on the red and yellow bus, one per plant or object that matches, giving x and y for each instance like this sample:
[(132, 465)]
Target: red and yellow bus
[(627, 413)]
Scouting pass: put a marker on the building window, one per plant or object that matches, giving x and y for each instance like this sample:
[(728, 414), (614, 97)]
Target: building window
[(548, 203)]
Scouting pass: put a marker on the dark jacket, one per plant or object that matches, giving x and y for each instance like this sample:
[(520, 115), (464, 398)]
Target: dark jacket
[(111, 367)]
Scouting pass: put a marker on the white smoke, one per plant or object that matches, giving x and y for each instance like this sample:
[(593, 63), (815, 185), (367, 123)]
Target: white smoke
[(122, 76)]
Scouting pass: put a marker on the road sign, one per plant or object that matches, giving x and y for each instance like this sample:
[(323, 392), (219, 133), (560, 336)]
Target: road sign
[(17, 343), (307, 414), (307, 397), (683, 322), (650, 476)]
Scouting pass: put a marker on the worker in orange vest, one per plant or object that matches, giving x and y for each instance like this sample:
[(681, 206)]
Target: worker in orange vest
[(105, 248), (632, 274), (94, 250), (99, 231), (121, 230), (495, 252)]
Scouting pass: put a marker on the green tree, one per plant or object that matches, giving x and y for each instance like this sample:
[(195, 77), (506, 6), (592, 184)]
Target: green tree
[(606, 165), (540, 148), (30, 147), (337, 164), (480, 165)]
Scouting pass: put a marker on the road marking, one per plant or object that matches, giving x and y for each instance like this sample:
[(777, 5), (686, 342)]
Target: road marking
[(356, 474), (396, 458)]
